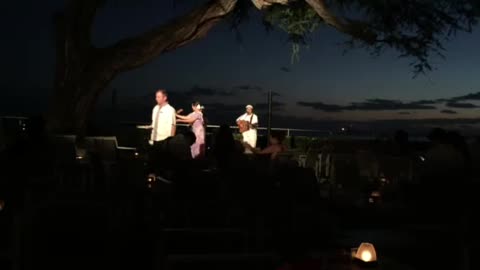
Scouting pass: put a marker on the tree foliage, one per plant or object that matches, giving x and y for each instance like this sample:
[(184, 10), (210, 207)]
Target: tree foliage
[(298, 20), (415, 28)]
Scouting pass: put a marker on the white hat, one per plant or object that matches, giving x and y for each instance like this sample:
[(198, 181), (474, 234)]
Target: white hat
[(249, 106)]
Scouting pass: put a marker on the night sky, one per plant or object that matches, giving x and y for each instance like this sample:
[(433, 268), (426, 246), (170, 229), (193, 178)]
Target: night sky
[(225, 74)]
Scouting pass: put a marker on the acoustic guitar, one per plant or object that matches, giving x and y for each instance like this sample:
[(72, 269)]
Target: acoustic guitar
[(243, 126)]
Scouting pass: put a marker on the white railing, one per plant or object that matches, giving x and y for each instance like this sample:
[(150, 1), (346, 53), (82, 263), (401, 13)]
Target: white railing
[(288, 131), (14, 117)]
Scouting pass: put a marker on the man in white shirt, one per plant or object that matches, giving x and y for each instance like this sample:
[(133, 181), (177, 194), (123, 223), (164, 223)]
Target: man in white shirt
[(250, 136), (163, 127), (163, 119)]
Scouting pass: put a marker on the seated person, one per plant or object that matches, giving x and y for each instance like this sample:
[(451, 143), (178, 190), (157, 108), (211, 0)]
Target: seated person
[(178, 146), (275, 147), (174, 154), (226, 150)]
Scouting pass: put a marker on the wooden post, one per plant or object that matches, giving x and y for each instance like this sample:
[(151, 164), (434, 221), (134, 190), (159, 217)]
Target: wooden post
[(114, 100), (269, 129)]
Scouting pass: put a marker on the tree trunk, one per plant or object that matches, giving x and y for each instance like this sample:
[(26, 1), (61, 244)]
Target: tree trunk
[(81, 76), (73, 103), (83, 71)]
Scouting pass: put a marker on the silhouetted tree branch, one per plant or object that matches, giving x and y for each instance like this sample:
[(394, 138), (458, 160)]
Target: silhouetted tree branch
[(415, 28), (134, 52), (356, 29)]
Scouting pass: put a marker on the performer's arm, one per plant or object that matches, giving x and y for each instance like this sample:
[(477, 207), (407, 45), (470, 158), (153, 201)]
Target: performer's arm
[(182, 117), (239, 118), (186, 120), (153, 119), (254, 121), (249, 147), (268, 150), (265, 151), (189, 119)]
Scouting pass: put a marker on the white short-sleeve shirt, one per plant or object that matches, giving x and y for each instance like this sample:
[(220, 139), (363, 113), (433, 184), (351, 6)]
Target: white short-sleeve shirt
[(246, 117), (163, 121)]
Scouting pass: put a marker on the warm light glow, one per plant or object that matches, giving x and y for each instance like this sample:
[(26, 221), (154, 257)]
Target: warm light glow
[(366, 253), (2, 205), (136, 154), (366, 256), (79, 157)]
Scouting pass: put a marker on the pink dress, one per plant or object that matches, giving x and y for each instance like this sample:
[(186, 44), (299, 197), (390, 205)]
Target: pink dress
[(198, 128)]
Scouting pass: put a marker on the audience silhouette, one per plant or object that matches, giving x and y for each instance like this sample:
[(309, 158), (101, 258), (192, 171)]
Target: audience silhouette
[(279, 206)]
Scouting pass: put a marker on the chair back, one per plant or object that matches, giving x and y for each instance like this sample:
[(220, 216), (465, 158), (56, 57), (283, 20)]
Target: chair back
[(104, 146)]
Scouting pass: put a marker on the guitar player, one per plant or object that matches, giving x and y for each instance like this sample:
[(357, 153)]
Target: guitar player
[(248, 124)]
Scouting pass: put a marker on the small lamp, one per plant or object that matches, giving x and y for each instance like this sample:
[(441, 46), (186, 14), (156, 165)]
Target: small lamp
[(81, 153), (150, 180), (365, 254)]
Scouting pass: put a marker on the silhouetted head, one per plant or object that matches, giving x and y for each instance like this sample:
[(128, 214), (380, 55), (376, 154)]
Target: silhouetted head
[(455, 138), (224, 131), (179, 147), (224, 141), (36, 126), (437, 135), (401, 137), (190, 137), (277, 137)]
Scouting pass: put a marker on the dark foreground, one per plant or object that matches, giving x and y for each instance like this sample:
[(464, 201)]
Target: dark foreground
[(101, 212)]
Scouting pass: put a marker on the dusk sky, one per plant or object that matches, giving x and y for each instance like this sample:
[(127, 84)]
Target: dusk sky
[(221, 70)]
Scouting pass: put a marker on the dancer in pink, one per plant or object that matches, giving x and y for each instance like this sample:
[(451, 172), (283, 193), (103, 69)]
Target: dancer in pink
[(195, 120)]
